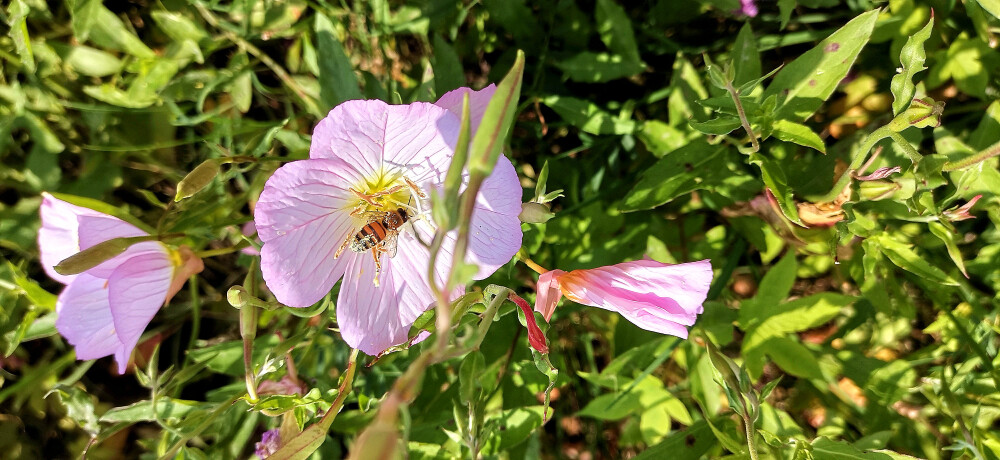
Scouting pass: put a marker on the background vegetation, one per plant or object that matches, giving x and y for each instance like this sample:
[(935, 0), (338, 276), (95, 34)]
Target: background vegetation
[(865, 323)]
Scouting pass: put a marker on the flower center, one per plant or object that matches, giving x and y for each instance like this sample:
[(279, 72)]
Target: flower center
[(386, 192)]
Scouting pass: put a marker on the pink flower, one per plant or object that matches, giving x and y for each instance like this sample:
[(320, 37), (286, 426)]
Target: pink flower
[(370, 161), (105, 309), (654, 296), (748, 7), (269, 443)]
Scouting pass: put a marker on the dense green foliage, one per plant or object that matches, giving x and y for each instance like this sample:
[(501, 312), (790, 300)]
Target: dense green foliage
[(850, 318)]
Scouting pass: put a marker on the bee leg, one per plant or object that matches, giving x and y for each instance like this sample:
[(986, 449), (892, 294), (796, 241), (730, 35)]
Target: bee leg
[(376, 252), (343, 246)]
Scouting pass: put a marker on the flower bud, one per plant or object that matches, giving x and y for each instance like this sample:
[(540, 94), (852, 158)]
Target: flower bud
[(237, 296), (876, 190), (921, 114), (534, 213)]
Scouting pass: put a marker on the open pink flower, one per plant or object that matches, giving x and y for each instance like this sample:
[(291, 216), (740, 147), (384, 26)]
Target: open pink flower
[(105, 309), (367, 161), (652, 295)]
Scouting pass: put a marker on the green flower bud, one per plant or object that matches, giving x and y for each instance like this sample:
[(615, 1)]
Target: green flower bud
[(534, 213)]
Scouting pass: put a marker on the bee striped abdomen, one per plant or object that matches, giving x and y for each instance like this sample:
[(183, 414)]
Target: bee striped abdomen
[(376, 231)]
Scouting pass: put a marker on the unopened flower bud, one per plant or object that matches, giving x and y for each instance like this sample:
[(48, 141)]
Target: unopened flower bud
[(875, 190), (237, 296), (922, 113), (534, 213)]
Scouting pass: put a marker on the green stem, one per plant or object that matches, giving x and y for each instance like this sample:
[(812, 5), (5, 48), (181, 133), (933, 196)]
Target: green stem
[(856, 162), (743, 116), (908, 149), (986, 154), (751, 437)]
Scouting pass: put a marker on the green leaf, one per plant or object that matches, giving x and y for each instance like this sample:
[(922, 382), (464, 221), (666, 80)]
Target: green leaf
[(810, 79), (949, 239), (515, 426), (143, 411), (689, 168), (793, 357), (777, 182), (590, 67), (153, 76), (746, 58), (337, 80), (969, 61), (689, 444), (615, 30), (497, 120), (661, 138), (110, 94), (993, 6), (796, 133), (227, 357), (79, 407), (109, 31), (904, 257), (612, 406), (785, 8), (468, 376), (797, 315), (17, 13), (84, 14), (92, 62), (587, 116), (717, 126), (774, 288), (178, 26), (912, 57), (448, 72)]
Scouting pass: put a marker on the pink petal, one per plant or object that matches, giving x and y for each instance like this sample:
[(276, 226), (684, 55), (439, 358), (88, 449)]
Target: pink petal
[(416, 140), (372, 318), (303, 218), (547, 293), (249, 229), (495, 228), (478, 100), (654, 296), (66, 231), (84, 317), (136, 291)]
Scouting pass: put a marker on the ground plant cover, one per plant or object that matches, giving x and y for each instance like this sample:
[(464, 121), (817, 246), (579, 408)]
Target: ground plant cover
[(436, 229)]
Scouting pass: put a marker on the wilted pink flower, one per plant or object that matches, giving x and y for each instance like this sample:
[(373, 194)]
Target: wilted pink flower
[(269, 443), (374, 161), (105, 309), (748, 7), (880, 173), (652, 295), (962, 212)]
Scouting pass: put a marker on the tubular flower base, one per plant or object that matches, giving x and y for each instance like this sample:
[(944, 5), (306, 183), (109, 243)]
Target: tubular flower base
[(358, 210), (652, 295), (105, 309)]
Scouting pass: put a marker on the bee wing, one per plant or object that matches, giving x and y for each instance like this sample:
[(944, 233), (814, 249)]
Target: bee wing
[(389, 243)]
